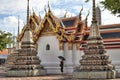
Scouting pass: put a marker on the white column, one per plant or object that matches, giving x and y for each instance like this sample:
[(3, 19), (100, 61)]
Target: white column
[(68, 66), (76, 56)]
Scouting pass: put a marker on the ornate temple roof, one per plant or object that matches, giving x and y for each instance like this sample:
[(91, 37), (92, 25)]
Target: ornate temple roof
[(5, 51), (70, 22), (68, 29)]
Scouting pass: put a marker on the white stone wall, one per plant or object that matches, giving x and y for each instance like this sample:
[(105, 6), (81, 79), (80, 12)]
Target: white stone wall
[(49, 58), (114, 55), (115, 58), (51, 61)]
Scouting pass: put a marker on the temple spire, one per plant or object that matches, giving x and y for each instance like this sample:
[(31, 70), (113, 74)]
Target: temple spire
[(27, 11), (13, 38), (18, 42), (94, 29), (18, 27), (94, 13)]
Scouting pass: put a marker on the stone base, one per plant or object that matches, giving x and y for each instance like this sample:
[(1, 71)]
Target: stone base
[(26, 73), (95, 74)]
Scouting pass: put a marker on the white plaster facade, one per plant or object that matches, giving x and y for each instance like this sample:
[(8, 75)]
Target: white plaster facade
[(49, 58)]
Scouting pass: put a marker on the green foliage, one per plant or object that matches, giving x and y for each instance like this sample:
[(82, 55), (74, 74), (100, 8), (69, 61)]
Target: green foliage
[(86, 0), (5, 38), (112, 5)]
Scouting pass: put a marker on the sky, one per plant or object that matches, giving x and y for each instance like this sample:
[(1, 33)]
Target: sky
[(11, 9)]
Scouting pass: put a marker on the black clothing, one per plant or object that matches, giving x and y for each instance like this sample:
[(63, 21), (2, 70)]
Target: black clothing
[(61, 66)]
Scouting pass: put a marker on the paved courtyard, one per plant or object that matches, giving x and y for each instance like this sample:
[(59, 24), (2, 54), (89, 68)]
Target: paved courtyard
[(48, 77)]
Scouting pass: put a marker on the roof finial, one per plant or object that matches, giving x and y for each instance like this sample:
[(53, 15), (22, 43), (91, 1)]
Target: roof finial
[(94, 13), (27, 11), (39, 15), (71, 15), (45, 9), (80, 12), (65, 15), (33, 11), (86, 22), (48, 6), (88, 14)]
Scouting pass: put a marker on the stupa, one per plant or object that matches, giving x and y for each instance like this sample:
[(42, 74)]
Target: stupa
[(26, 63), (11, 58), (95, 62)]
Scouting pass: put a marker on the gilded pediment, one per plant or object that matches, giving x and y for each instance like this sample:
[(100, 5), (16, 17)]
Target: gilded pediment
[(47, 27)]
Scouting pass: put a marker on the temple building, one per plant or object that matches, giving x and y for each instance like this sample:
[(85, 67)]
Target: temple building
[(67, 37)]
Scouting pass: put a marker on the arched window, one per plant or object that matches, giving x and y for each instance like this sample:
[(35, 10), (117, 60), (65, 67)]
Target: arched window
[(47, 47)]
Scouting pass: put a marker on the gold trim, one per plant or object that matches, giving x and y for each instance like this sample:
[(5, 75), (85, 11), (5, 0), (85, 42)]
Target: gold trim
[(61, 45), (48, 34), (70, 46), (77, 46)]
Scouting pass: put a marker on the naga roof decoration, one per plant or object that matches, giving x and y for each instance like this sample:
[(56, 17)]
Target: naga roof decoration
[(68, 29)]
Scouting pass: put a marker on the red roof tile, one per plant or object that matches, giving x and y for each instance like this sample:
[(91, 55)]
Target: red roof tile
[(4, 51)]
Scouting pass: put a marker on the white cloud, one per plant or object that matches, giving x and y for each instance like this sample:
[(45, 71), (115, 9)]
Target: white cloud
[(13, 8), (109, 18), (61, 13), (10, 23)]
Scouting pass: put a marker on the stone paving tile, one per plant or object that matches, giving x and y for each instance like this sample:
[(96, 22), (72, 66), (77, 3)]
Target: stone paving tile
[(48, 77)]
